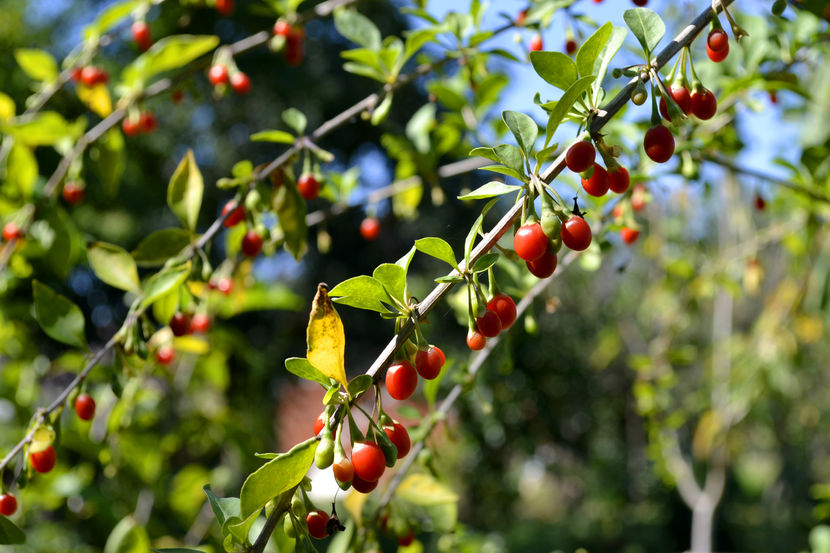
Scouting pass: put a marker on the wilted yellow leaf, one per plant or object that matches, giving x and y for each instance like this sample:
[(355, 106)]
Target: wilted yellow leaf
[(96, 98), (325, 337)]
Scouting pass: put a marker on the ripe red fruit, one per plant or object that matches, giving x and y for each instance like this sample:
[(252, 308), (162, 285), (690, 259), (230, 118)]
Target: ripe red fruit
[(282, 27), (681, 97), (294, 46), (200, 323), (43, 461), (141, 35), (638, 197), (544, 266), (406, 540), (225, 7), (319, 423), (370, 229), (91, 75), (218, 74), (773, 97), (130, 126), (76, 74), (147, 122), (308, 186), (401, 380), (165, 355), (580, 156), (717, 57), (659, 143), (317, 521), (570, 46), (618, 180), (760, 203), (368, 461), (241, 83), (73, 193), (503, 306), (530, 241), (234, 213), (8, 504), (476, 340), (363, 486), (11, 231), (629, 235), (225, 285), (704, 104), (520, 19), (489, 324), (428, 362), (576, 233), (640, 2), (343, 470), (177, 96), (85, 407), (399, 436), (597, 184), (718, 40), (251, 243), (180, 324), (536, 43)]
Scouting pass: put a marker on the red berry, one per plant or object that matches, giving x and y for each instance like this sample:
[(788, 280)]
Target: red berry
[(638, 197), (368, 461), (165, 355), (406, 540), (680, 95), (225, 7), (294, 46), (580, 156), (319, 423), (401, 380), (640, 2), (218, 74), (570, 46), (773, 97), (704, 104), (618, 180), (576, 233), (475, 340), (530, 241), (536, 43), (8, 504), (251, 243), (180, 324), (76, 74), (177, 96), (225, 285), (282, 27), (73, 193), (141, 35), (659, 143), (718, 40), (85, 407), (200, 323), (597, 184), (370, 229), (147, 122), (363, 486), (520, 19), (317, 521), (343, 470), (717, 57), (489, 324), (91, 75), (544, 266), (400, 437), (130, 126), (241, 83), (308, 186), (618, 211), (504, 306), (43, 461), (234, 213), (428, 362), (760, 203), (11, 231), (629, 235)]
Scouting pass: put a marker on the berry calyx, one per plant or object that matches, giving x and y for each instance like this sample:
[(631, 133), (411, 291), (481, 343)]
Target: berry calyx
[(530, 241), (544, 266), (368, 461), (141, 35), (717, 57), (576, 233), (165, 355), (536, 43), (580, 156), (225, 7), (718, 40), (251, 243), (308, 187), (597, 184), (570, 46), (317, 521), (704, 104), (363, 486), (680, 95), (618, 179), (503, 306), (343, 470), (629, 235), (8, 504), (428, 362), (241, 83), (235, 214), (85, 407), (218, 74), (476, 340), (73, 193), (659, 143), (180, 324), (370, 229), (401, 380), (43, 461), (399, 436), (11, 231), (489, 324), (200, 323)]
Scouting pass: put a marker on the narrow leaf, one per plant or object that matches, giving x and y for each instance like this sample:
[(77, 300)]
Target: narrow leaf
[(587, 55), (302, 368), (646, 26), (325, 337), (59, 317), (114, 266), (39, 65), (564, 105), (184, 193), (555, 67), (10, 534), (281, 137), (161, 283), (523, 127), (618, 35), (438, 248), (485, 262), (489, 190), (295, 119), (160, 246), (166, 54), (291, 211), (488, 153), (359, 384), (511, 156), (362, 292), (358, 28)]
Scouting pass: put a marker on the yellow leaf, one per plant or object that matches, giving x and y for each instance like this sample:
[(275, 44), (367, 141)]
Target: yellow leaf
[(191, 344), (6, 107), (325, 337), (96, 98)]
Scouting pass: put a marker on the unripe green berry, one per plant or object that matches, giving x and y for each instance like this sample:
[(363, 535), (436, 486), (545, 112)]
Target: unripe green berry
[(778, 7), (324, 456)]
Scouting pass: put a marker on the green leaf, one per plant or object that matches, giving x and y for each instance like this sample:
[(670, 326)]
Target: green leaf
[(438, 248), (474, 230), (564, 105), (110, 17), (449, 279), (301, 367), (489, 190), (406, 259), (363, 292), (184, 193), (114, 266), (359, 384), (59, 317), (503, 170), (259, 297), (10, 534), (7, 108), (164, 281), (291, 211), (39, 65), (555, 67), (416, 39), (616, 40), (281, 137), (166, 306), (358, 28), (485, 262), (393, 279), (523, 127), (646, 26), (488, 153), (223, 507), (21, 169), (276, 477), (380, 112), (127, 537), (161, 245), (511, 156), (178, 550), (588, 53), (168, 53), (419, 126), (242, 169), (42, 129), (295, 119), (424, 490), (109, 160)]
